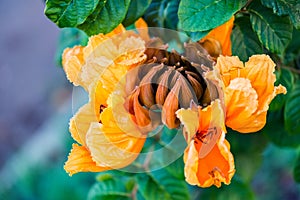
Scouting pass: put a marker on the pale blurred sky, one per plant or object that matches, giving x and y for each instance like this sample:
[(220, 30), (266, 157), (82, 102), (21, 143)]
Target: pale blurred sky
[(31, 86)]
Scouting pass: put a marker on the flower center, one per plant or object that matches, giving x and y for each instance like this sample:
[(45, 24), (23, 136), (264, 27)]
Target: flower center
[(166, 82)]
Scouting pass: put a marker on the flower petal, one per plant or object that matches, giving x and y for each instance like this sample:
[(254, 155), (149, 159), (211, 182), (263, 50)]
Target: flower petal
[(111, 146), (241, 102), (109, 63), (131, 52), (216, 167), (142, 27), (222, 34), (80, 122), (191, 164), (229, 68), (190, 119), (72, 61), (260, 71), (80, 160)]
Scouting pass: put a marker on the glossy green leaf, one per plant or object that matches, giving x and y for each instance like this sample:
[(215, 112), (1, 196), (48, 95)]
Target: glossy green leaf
[(297, 169), (235, 191), (107, 16), (286, 78), (136, 9), (204, 15), (162, 185), (276, 133), (285, 7), (292, 111), (292, 52), (162, 13), (245, 42), (69, 13), (110, 186), (196, 36), (69, 37), (171, 11), (273, 31)]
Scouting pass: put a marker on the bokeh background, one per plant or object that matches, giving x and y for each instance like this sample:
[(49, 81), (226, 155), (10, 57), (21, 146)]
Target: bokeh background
[(35, 107)]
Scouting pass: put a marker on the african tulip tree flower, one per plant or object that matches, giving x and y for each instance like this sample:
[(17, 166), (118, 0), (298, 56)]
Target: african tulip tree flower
[(127, 83), (98, 68), (135, 84), (208, 160), (248, 91)]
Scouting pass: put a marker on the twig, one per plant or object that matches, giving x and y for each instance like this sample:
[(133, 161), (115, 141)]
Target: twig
[(292, 69)]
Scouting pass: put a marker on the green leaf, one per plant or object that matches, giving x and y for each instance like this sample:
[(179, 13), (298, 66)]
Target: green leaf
[(176, 169), (292, 111), (110, 186), (245, 154), (69, 37), (69, 13), (136, 9), (171, 20), (162, 185), (285, 7), (273, 31), (162, 13), (195, 15), (196, 36), (297, 169), (276, 133), (284, 77), (293, 50), (235, 191), (107, 16), (245, 42)]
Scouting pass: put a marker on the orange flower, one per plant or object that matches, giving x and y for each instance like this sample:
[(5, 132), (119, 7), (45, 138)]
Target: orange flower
[(208, 160), (248, 90), (217, 42), (105, 141)]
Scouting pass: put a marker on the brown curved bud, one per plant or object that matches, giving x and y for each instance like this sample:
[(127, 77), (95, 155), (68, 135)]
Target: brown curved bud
[(147, 97), (162, 88), (141, 114), (212, 46), (205, 100), (170, 106), (196, 86), (186, 94), (129, 102)]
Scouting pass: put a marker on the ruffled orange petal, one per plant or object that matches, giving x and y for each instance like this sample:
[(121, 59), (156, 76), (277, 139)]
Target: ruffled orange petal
[(111, 146), (260, 71), (190, 119), (210, 118), (109, 63), (80, 122), (142, 27), (72, 61), (229, 68), (222, 34), (241, 102), (96, 40), (131, 52), (213, 169), (80, 160)]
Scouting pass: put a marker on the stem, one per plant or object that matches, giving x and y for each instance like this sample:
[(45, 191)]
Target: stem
[(148, 159), (134, 192), (292, 69)]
